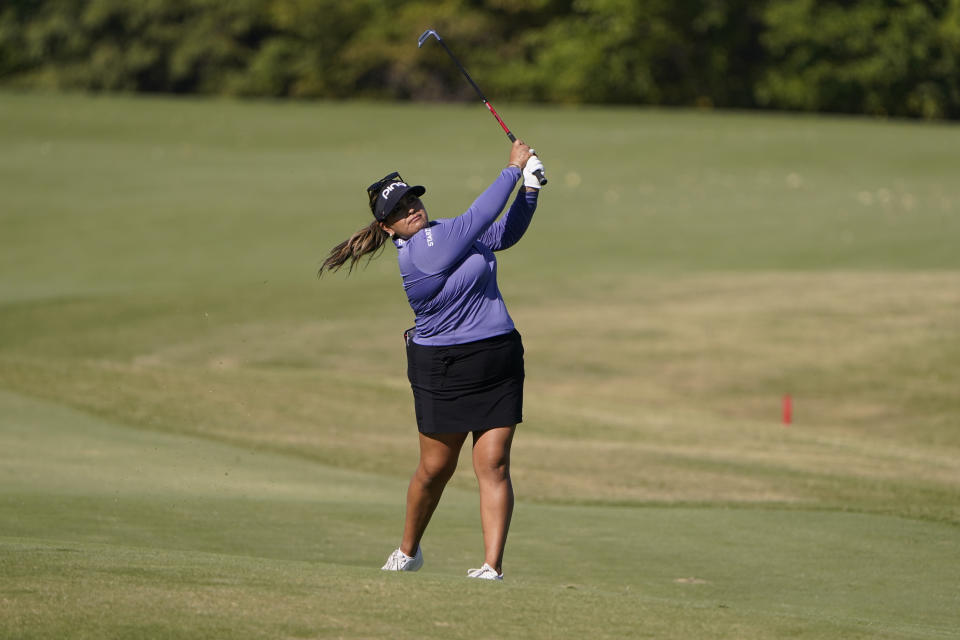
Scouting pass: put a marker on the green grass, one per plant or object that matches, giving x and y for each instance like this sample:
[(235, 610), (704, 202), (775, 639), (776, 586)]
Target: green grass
[(199, 439), (122, 532)]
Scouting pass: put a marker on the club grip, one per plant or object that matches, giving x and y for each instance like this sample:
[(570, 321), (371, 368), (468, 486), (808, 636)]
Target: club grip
[(538, 173)]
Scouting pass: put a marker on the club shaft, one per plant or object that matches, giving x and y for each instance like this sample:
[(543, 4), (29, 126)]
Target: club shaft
[(473, 84), (462, 70), (496, 115), (486, 102)]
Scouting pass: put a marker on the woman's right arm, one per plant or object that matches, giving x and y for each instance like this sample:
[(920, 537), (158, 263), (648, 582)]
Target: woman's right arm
[(443, 245)]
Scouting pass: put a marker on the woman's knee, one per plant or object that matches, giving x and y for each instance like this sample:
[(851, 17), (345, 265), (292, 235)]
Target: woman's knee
[(491, 450), (438, 456), (434, 469), (493, 469)]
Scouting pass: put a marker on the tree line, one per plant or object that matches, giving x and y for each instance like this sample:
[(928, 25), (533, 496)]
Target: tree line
[(880, 57)]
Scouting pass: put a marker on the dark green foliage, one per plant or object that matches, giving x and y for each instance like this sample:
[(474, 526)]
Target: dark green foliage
[(881, 57)]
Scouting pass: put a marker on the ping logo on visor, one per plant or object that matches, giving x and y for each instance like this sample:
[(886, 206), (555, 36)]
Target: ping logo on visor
[(386, 192)]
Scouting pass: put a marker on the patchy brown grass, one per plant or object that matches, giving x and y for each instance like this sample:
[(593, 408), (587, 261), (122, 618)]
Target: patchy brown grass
[(646, 389)]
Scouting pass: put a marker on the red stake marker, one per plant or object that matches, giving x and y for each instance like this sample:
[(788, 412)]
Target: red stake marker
[(787, 410)]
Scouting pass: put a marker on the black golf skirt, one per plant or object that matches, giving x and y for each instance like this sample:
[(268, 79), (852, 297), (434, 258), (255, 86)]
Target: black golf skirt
[(467, 387)]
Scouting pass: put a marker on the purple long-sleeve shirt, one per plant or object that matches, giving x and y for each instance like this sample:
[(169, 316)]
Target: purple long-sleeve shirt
[(449, 270)]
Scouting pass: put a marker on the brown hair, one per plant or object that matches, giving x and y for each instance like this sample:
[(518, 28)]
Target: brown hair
[(369, 240)]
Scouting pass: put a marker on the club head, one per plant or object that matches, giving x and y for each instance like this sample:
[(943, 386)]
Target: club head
[(426, 36)]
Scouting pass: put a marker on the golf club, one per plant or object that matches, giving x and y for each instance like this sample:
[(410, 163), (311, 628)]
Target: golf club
[(426, 36)]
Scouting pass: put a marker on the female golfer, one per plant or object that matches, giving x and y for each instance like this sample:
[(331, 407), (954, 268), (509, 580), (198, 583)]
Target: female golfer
[(464, 356)]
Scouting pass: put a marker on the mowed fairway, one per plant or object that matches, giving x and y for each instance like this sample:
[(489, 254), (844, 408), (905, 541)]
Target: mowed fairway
[(199, 439)]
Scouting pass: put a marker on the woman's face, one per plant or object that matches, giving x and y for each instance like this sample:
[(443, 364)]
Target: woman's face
[(407, 218)]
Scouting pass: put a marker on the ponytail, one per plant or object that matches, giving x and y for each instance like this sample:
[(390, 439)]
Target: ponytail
[(369, 240)]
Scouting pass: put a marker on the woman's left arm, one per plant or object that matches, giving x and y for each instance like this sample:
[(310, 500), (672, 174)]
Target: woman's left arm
[(507, 231)]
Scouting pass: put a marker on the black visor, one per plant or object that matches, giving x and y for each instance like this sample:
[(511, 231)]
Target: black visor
[(386, 194)]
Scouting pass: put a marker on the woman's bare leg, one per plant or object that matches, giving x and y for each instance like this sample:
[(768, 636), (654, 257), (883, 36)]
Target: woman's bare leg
[(438, 460), (491, 463)]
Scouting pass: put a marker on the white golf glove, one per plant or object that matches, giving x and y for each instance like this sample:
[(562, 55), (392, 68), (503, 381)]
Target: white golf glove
[(530, 180)]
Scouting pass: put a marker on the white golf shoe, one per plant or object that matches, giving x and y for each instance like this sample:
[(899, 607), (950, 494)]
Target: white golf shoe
[(486, 572), (399, 561)]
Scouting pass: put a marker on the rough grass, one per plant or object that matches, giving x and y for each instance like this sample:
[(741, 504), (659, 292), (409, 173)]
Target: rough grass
[(672, 386), (112, 532)]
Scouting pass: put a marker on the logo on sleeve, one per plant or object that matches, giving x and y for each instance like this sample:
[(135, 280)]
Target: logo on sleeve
[(428, 232)]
